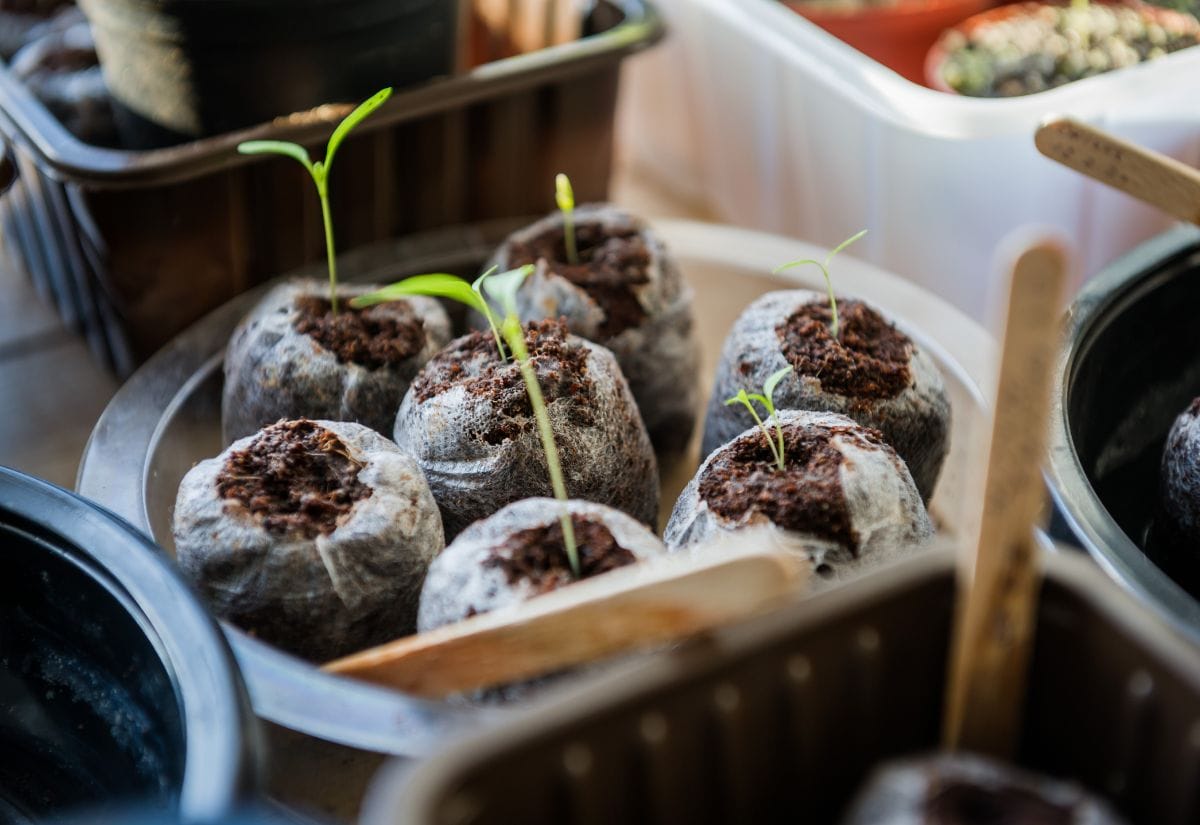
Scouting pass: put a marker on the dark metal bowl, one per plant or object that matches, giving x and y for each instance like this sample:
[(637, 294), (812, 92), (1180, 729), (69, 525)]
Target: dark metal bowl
[(1131, 364), (115, 685)]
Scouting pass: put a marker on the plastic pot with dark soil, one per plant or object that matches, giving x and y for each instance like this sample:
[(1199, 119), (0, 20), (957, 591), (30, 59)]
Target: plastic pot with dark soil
[(184, 69), (468, 421), (1123, 458), (291, 357), (311, 535), (115, 685), (843, 493), (871, 372), (623, 292), (1030, 47)]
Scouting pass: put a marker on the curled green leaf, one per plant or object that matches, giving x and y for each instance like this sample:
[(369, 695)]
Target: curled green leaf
[(360, 113)]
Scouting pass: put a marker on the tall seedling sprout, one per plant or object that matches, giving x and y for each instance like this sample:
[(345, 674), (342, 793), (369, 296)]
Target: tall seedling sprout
[(834, 327), (564, 196), (319, 170), (767, 399), (502, 288)]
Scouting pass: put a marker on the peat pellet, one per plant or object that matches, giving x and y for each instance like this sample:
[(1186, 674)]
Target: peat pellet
[(844, 494), (311, 535), (872, 373), (291, 358), (965, 789), (518, 553), (468, 421), (625, 293), (1174, 540)]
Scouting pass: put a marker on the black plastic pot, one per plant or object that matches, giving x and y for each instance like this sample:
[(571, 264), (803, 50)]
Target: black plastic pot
[(1131, 364), (115, 685), (183, 69)]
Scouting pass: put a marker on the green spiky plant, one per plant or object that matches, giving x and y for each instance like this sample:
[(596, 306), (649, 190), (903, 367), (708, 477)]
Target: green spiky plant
[(319, 170), (564, 196), (835, 326), (767, 399), (506, 329)]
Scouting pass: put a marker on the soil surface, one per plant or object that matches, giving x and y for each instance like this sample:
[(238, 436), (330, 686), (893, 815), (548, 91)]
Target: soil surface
[(474, 363), (373, 337), (538, 555), (296, 478), (806, 496), (610, 264), (868, 360), (961, 803)]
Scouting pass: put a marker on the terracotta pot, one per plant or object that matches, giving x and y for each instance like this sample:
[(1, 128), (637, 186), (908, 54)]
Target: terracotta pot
[(898, 35), (936, 58)]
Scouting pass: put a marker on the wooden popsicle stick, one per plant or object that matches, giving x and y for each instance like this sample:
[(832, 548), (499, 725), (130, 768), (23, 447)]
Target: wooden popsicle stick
[(998, 593), (635, 607), (1152, 177)]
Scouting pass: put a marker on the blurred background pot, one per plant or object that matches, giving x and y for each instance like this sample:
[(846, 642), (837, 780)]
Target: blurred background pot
[(181, 69), (1183, 31), (115, 685), (898, 33), (1130, 365)]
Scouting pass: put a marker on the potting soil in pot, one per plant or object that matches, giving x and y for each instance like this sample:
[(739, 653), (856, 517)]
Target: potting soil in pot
[(468, 421), (624, 292)]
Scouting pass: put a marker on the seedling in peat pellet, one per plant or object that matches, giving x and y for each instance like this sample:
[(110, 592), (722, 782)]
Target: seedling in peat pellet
[(834, 327), (564, 196), (767, 399), (502, 288), (319, 170)]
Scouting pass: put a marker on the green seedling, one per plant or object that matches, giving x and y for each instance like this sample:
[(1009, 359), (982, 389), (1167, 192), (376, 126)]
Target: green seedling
[(501, 288), (767, 399), (319, 170), (441, 285), (564, 196), (834, 327)]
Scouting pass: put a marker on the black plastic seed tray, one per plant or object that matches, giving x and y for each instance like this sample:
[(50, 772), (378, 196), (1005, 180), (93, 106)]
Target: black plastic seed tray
[(132, 246)]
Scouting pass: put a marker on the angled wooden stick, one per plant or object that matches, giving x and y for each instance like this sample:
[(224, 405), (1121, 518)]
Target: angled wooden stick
[(998, 597), (635, 607), (1152, 177)]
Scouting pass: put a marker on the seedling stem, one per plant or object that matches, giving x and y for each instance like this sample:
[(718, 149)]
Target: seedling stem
[(564, 195), (767, 399), (835, 326), (319, 171)]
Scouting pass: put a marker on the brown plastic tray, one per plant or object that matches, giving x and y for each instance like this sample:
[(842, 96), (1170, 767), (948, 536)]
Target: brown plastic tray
[(781, 719), (133, 246)]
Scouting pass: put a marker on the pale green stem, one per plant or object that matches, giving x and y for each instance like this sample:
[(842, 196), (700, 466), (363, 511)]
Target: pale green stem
[(569, 237), (832, 302), (778, 453), (323, 191), (516, 342), (779, 456)]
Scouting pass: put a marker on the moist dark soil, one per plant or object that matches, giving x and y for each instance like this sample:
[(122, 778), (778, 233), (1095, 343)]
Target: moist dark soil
[(806, 496), (296, 478), (868, 359), (610, 264), (962, 803), (474, 363), (374, 337), (538, 555)]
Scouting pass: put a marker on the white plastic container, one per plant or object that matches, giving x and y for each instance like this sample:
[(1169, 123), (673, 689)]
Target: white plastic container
[(780, 126)]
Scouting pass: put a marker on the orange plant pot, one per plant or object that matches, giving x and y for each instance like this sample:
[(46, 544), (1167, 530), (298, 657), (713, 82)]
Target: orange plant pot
[(935, 60), (898, 35)]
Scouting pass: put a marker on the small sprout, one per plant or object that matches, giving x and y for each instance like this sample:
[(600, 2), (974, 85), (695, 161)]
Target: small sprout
[(442, 285), (564, 196), (503, 289), (767, 399), (834, 327), (319, 170)]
